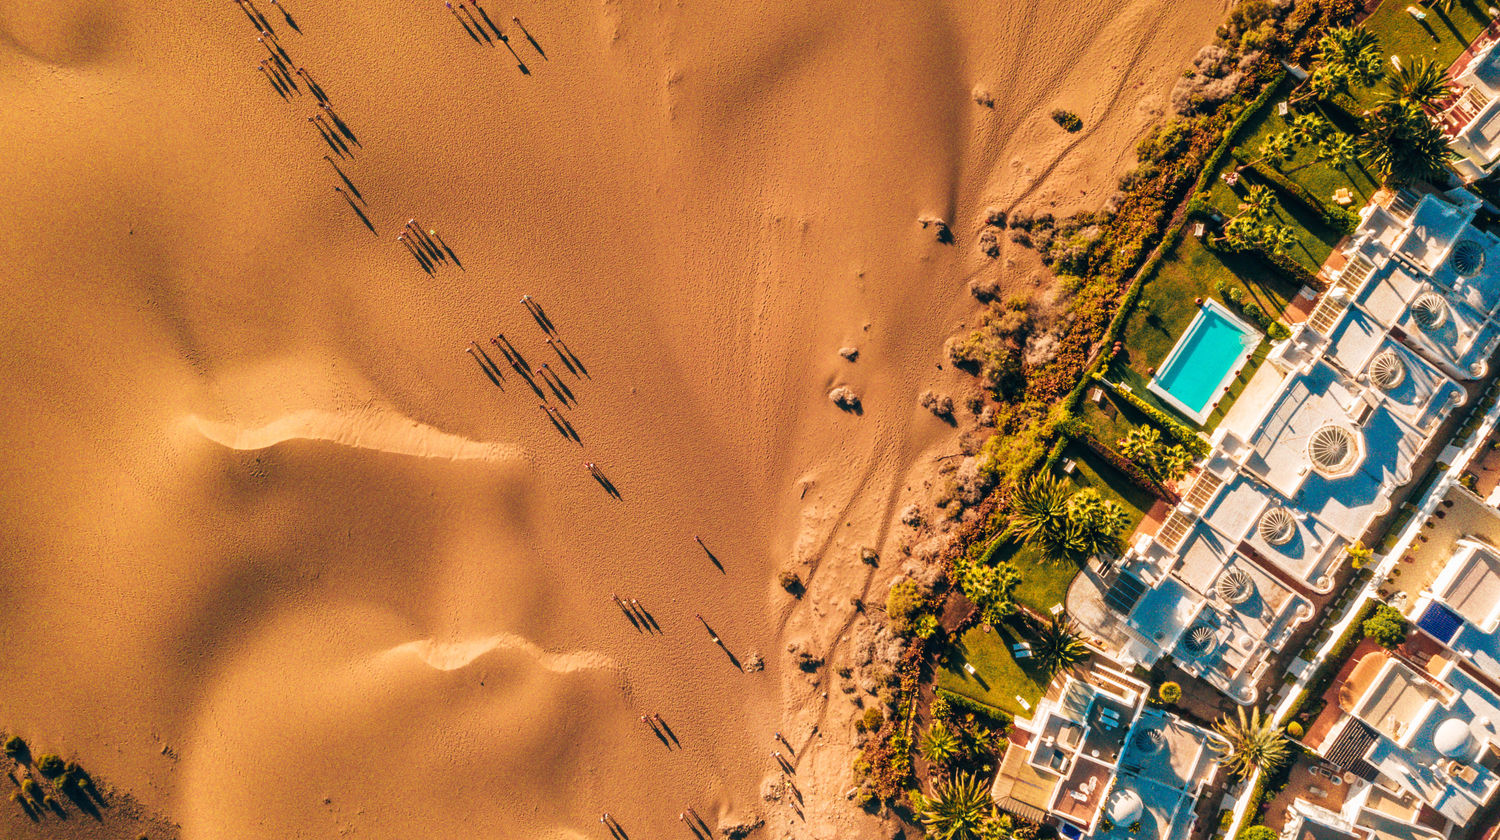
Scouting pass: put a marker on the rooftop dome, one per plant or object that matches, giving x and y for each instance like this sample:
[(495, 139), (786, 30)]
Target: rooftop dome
[(1199, 639), (1277, 527), (1235, 586), (1387, 370), (1333, 450), (1452, 738), (1468, 257), (1150, 739), (1125, 807), (1429, 311)]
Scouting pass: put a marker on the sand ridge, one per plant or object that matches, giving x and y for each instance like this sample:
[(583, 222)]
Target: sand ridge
[(247, 460), (370, 427)]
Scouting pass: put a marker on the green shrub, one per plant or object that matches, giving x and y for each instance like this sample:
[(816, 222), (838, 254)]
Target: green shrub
[(870, 721), (1294, 729), (49, 765), (941, 709), (15, 747), (31, 789), (903, 604), (1068, 120), (1278, 331), (1169, 692), (1258, 832), (790, 581), (1386, 626)]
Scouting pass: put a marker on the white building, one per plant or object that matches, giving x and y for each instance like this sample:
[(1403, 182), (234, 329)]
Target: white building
[(1339, 418)]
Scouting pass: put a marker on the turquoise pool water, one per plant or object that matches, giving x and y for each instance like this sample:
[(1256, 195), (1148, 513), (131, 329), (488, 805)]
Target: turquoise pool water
[(1214, 345)]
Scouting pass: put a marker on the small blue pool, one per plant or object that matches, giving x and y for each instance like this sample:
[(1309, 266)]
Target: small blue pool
[(1205, 360)]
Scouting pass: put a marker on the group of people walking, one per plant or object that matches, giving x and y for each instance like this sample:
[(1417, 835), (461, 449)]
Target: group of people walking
[(480, 32)]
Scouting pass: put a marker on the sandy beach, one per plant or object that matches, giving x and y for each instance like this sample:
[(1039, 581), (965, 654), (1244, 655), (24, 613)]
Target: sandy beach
[(282, 561)]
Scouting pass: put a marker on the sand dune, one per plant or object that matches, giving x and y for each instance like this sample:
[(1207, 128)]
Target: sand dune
[(287, 564), (368, 428), (450, 656)]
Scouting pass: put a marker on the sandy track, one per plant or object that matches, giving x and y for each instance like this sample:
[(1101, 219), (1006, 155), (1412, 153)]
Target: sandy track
[(365, 591)]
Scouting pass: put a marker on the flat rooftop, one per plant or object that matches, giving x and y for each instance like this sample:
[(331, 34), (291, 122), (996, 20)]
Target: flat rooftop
[(1393, 700), (1471, 584), (1079, 795)]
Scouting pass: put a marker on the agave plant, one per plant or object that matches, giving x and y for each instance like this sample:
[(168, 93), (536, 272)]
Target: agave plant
[(1249, 744), (1038, 506), (1059, 646), (960, 809), (939, 744)]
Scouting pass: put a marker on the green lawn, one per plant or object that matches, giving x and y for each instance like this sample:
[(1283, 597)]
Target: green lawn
[(1043, 583), (998, 678), (1442, 37), (1167, 306)]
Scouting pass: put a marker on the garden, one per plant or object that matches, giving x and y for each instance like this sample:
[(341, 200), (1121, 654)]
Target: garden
[(1000, 680)]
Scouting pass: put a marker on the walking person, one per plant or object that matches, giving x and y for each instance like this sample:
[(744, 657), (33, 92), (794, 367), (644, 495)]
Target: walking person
[(534, 44), (462, 22)]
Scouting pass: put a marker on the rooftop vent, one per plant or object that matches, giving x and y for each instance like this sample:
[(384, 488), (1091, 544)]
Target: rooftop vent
[(1277, 527), (1468, 257), (1387, 370), (1199, 639), (1333, 450), (1235, 586), (1429, 311), (1151, 739)]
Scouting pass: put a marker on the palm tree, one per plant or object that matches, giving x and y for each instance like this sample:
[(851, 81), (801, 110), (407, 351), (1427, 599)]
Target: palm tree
[(1356, 50), (1277, 239), (1419, 82), (1402, 144), (939, 744), (1249, 744), (1324, 82), (1243, 234), (1308, 128), (1038, 507), (1338, 150), (1143, 445), (1257, 204), (1059, 646), (1274, 150), (1095, 524), (961, 809)]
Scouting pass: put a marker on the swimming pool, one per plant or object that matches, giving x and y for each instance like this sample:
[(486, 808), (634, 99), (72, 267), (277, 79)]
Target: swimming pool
[(1204, 361)]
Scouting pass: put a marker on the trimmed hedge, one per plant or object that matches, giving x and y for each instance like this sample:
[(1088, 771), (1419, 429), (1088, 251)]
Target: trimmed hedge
[(1329, 668), (1123, 465), (1291, 269), (1336, 218), (997, 715), (1191, 440)]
